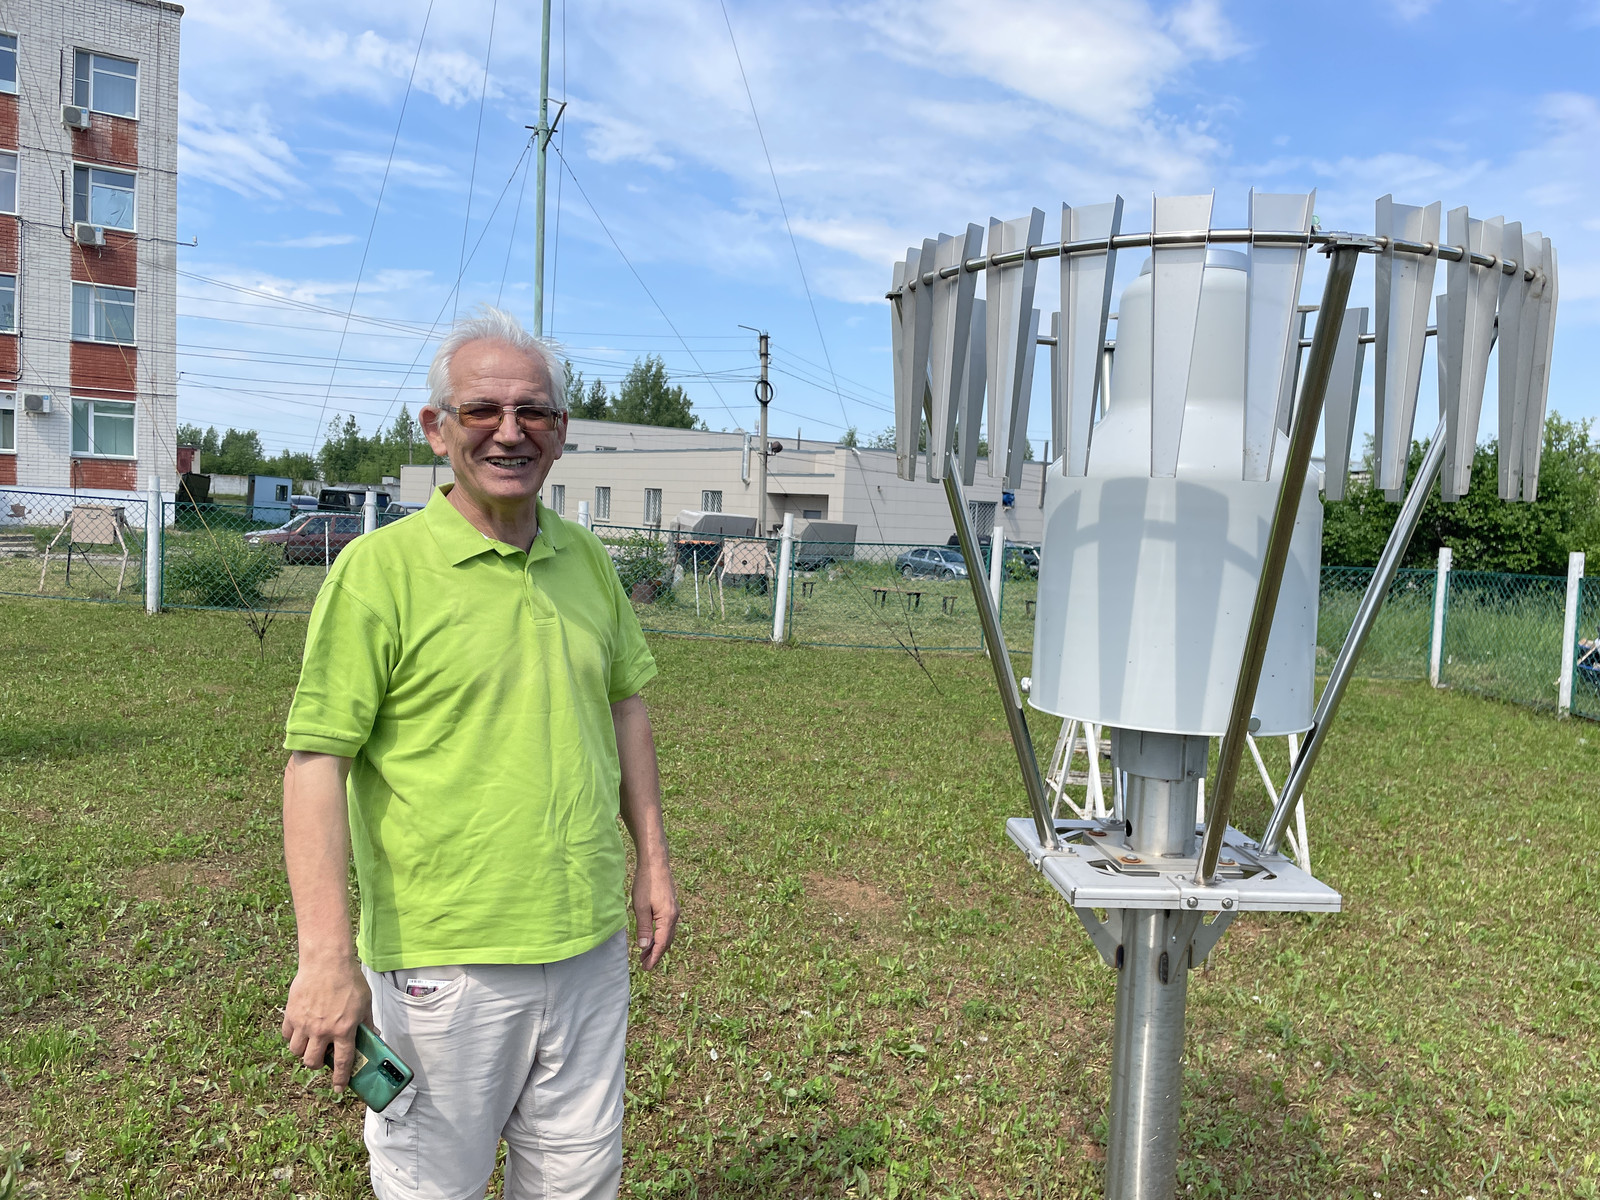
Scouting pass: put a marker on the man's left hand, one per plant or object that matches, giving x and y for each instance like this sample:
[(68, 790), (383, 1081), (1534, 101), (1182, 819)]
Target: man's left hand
[(655, 907)]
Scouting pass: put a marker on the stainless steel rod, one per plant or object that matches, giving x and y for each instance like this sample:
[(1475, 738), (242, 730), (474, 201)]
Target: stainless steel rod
[(1394, 551), (1010, 694), (1302, 436)]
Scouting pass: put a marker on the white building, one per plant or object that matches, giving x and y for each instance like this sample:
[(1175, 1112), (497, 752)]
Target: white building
[(644, 475), (88, 291)]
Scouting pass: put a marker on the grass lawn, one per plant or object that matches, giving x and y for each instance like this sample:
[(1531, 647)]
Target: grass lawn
[(870, 995)]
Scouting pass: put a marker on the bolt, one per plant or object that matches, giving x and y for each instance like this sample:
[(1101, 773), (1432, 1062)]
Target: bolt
[(1131, 858), (1097, 833), (1193, 901), (1228, 903), (1227, 862)]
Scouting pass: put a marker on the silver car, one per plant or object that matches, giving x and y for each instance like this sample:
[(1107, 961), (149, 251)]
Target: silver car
[(932, 562)]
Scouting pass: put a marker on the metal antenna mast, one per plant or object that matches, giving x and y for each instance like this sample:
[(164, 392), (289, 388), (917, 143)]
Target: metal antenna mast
[(542, 132), (764, 397)]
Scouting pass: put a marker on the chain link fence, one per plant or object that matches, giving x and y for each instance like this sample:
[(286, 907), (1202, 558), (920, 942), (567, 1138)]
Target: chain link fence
[(1502, 636), (1586, 660), (1398, 645), (73, 547), (703, 585)]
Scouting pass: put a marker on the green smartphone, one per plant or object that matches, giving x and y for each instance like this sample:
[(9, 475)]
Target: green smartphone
[(378, 1074)]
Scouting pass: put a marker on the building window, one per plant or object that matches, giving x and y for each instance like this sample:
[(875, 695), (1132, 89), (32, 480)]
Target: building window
[(8, 63), (811, 514), (280, 493), (710, 501), (102, 314), (103, 197), (652, 506), (568, 446), (106, 84), (602, 504), (102, 427), (8, 420), (558, 498), (8, 303), (8, 183)]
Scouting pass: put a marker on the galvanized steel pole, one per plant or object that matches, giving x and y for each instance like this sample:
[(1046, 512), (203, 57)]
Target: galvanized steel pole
[(542, 139)]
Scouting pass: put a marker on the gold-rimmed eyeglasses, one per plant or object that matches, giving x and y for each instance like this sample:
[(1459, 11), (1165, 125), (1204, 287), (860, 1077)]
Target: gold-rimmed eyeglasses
[(483, 414)]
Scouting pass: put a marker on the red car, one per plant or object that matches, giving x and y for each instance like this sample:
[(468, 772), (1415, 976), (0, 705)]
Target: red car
[(313, 538)]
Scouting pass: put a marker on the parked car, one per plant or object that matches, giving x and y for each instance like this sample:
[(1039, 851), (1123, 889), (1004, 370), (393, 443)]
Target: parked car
[(932, 562), (302, 504), (348, 499), (313, 538), (1022, 560)]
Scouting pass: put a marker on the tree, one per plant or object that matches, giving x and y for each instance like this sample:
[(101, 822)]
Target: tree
[(1483, 532), (190, 435), (646, 397), (851, 438)]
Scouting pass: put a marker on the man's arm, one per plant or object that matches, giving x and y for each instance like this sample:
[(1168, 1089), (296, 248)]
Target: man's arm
[(655, 900), (329, 997)]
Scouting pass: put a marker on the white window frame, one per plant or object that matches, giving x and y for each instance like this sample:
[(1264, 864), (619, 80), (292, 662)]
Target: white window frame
[(8, 404), (652, 507), (602, 504), (11, 328), (91, 401), (16, 180), (88, 196), (558, 499), (9, 86), (88, 101), (102, 287), (706, 500)]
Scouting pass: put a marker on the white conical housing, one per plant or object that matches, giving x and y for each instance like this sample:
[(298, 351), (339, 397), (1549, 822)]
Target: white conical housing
[(1146, 585)]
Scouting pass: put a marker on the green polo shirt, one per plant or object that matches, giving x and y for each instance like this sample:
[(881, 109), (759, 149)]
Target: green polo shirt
[(472, 685)]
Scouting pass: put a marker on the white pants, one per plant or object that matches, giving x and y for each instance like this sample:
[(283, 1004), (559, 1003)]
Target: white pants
[(531, 1054)]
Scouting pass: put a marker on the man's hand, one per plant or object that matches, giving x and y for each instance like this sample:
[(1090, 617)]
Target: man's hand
[(655, 907), (326, 1003)]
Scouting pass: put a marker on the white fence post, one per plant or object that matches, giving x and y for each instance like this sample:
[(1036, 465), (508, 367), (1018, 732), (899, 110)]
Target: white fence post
[(1569, 632), (1441, 598), (997, 555), (583, 514), (369, 512), (780, 601), (154, 531)]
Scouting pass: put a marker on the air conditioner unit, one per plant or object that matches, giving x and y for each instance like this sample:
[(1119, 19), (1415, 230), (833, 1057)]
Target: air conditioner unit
[(36, 402), (86, 234), (74, 116)]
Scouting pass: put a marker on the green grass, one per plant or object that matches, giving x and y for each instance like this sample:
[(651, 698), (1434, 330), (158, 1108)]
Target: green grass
[(871, 994)]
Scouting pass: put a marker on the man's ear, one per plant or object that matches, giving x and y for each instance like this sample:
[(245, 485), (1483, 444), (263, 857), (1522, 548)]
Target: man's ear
[(430, 418)]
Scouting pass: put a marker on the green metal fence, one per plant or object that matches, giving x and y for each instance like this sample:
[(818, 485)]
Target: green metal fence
[(1503, 636), (1398, 646), (74, 547), (679, 585), (1586, 659)]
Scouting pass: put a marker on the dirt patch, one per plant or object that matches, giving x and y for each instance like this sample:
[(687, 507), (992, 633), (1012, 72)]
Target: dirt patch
[(169, 880), (850, 898)]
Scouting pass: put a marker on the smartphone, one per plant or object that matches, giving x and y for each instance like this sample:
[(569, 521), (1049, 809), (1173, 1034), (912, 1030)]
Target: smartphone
[(378, 1074)]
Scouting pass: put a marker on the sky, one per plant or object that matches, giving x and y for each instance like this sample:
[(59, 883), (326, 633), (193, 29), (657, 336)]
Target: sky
[(336, 182)]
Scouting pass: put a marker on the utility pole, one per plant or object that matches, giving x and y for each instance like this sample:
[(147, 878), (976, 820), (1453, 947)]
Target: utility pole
[(764, 398), (541, 133)]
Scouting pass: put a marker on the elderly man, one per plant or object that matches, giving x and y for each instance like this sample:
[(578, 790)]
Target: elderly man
[(469, 717)]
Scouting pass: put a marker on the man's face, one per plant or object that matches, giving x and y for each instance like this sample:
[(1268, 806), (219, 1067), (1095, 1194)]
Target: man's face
[(504, 466)]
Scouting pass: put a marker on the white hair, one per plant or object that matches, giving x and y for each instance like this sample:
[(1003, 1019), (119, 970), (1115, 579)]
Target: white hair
[(490, 324)]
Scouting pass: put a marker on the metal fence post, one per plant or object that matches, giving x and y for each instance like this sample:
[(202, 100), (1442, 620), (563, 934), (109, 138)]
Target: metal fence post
[(583, 514), (1441, 599), (154, 520), (780, 605), (1569, 632), (369, 512)]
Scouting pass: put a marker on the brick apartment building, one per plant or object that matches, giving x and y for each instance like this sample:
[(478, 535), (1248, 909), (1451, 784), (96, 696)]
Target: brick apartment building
[(88, 255)]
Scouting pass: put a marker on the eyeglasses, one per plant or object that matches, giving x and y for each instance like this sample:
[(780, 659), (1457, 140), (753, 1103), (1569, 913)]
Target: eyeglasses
[(481, 414)]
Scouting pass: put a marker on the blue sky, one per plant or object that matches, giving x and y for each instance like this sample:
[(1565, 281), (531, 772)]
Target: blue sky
[(888, 121)]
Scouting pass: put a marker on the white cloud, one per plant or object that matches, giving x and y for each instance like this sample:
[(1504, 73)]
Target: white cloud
[(315, 241), (240, 152)]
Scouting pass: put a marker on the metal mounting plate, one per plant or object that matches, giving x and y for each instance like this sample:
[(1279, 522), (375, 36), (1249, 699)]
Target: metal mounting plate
[(1089, 872)]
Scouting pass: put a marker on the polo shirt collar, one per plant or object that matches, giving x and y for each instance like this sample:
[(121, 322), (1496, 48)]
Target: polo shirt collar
[(460, 541)]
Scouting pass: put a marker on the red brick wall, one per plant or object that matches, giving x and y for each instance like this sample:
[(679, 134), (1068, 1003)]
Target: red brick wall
[(8, 468), (116, 263), (104, 473), (8, 121), (112, 140), (8, 242), (8, 356), (110, 369)]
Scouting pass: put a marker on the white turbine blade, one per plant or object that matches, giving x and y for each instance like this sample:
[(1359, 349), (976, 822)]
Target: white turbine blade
[(1512, 289), (1176, 276), (898, 306), (914, 342), (1058, 407), (1539, 385), (1339, 410), (1009, 290), (1291, 372), (952, 335), (1271, 331), (1528, 335), (1444, 356), (1403, 288), (1018, 437), (1085, 309), (1473, 293), (971, 421)]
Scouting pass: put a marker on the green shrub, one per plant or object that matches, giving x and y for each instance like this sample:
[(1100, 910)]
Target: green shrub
[(639, 558), (221, 572)]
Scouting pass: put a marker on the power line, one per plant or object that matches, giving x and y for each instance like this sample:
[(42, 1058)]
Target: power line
[(472, 177), (617, 246), (376, 209)]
